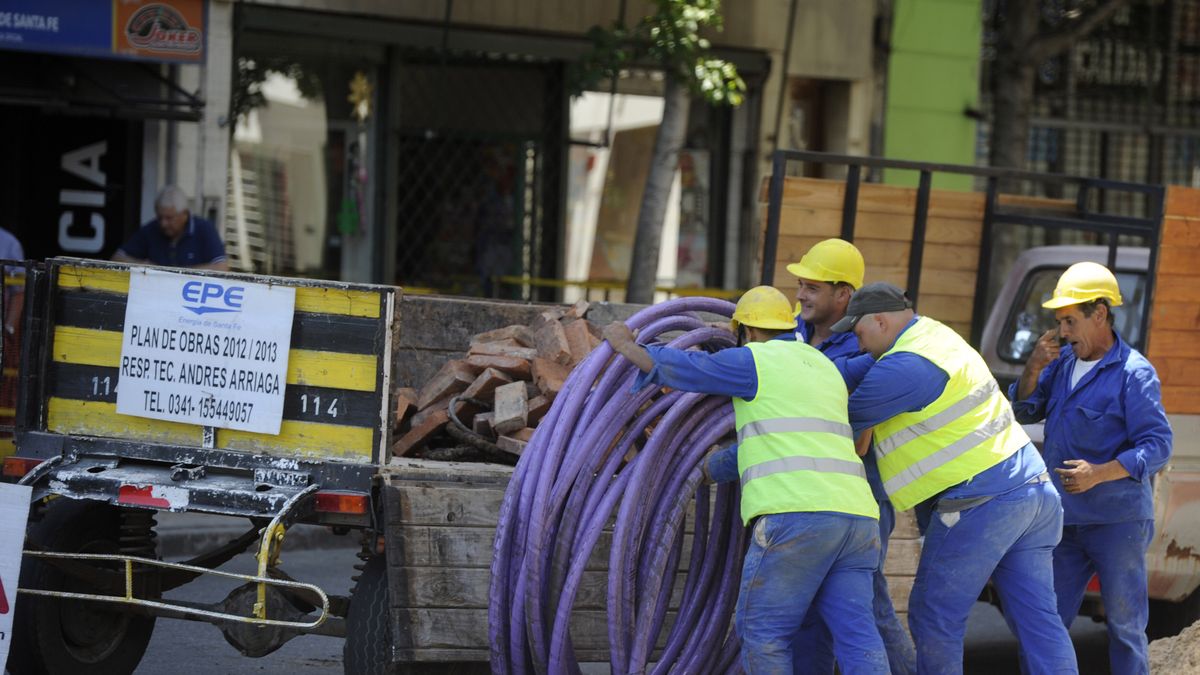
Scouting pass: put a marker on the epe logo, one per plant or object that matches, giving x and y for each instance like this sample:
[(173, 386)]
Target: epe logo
[(208, 297)]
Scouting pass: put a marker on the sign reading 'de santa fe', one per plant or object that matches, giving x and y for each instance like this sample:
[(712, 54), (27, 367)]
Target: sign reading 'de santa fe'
[(205, 350)]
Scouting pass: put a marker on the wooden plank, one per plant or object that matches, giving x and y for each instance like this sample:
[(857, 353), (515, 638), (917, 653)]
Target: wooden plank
[(467, 588), (902, 558), (446, 505), (1181, 400), (1176, 289), (1022, 202), (450, 628), (877, 198), (899, 590), (944, 308), (1179, 231), (1175, 316), (1174, 343), (1178, 372), (939, 282), (906, 526), (888, 254), (825, 223), (1183, 201), (467, 547), (1179, 261)]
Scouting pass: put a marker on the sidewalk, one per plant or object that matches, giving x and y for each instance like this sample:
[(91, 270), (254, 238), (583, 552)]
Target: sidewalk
[(183, 535)]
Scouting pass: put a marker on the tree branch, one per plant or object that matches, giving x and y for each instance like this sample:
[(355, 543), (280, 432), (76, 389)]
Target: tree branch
[(1055, 42)]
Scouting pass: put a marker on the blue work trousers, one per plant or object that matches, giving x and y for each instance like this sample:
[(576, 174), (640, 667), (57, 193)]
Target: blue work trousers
[(1010, 538), (814, 645), (1117, 553), (797, 560)]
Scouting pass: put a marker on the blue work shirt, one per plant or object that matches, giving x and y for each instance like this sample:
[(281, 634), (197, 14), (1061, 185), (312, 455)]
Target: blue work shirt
[(728, 372), (853, 363), (1115, 412), (907, 382), (199, 245)]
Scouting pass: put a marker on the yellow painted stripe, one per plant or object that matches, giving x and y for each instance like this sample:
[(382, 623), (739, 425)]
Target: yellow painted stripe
[(335, 370), (10, 372), (86, 346), (308, 299), (93, 279), (97, 418), (308, 439), (331, 369), (337, 301), (8, 447), (8, 412)]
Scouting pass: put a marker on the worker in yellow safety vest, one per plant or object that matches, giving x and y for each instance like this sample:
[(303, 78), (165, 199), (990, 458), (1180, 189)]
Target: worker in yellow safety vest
[(946, 441), (805, 497)]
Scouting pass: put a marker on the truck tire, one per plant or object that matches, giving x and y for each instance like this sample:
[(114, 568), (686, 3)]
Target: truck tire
[(1168, 619), (52, 636), (368, 648)]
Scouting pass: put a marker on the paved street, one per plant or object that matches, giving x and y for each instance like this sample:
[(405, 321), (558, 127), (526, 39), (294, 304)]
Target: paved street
[(189, 648)]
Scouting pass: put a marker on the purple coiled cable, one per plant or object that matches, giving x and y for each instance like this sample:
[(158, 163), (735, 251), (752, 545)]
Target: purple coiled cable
[(607, 462)]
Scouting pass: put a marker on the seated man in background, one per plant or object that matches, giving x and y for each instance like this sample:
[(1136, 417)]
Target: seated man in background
[(175, 238)]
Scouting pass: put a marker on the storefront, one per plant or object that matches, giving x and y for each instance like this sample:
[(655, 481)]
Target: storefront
[(88, 106)]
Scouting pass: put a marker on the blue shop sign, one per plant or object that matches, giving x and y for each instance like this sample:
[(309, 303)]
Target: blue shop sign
[(164, 31)]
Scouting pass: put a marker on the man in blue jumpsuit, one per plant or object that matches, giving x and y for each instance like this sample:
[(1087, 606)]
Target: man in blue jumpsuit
[(1106, 436), (805, 498), (827, 275), (945, 439)]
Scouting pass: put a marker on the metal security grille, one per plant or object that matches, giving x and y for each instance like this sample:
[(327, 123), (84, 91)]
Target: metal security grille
[(478, 190), (1122, 104)]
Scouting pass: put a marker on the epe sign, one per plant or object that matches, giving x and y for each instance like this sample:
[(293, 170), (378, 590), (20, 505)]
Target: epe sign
[(209, 297)]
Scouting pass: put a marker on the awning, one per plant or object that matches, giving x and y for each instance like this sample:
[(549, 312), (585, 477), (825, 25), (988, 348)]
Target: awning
[(92, 87)]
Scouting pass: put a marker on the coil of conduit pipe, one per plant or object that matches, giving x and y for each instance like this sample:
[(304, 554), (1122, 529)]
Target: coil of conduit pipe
[(609, 463)]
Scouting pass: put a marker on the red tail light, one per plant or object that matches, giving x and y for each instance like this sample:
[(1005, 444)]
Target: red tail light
[(331, 501), (17, 467)]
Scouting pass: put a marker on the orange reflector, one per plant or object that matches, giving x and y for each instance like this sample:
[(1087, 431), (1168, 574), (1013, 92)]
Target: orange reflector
[(17, 467), (1094, 585), (341, 502)]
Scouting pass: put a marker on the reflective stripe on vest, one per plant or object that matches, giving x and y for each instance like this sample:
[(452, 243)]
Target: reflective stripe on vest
[(793, 424), (945, 417), (795, 446), (966, 430), (786, 464), (948, 453)]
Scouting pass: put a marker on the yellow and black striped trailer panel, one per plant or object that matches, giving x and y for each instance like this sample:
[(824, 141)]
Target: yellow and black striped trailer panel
[(335, 401)]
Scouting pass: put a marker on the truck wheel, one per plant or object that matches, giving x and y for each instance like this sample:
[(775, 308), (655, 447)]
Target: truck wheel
[(73, 636), (1168, 619), (368, 648)]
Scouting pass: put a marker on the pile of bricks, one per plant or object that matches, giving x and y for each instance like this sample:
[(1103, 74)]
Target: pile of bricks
[(518, 370)]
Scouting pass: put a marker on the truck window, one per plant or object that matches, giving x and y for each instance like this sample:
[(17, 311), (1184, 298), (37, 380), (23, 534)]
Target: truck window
[(1027, 319)]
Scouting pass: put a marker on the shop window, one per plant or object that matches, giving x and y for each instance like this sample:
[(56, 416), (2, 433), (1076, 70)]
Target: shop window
[(300, 196)]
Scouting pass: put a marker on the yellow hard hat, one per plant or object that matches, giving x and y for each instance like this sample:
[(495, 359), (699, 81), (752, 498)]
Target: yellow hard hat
[(1084, 282), (764, 307), (831, 260)]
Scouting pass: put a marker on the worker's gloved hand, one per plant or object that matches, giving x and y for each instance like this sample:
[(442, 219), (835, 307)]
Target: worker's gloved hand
[(706, 477), (619, 335)]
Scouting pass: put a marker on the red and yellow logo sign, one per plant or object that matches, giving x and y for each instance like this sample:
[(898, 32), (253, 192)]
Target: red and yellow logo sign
[(166, 28)]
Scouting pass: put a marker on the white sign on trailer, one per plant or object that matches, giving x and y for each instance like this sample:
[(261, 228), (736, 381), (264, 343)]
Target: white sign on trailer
[(205, 350), (14, 512)]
